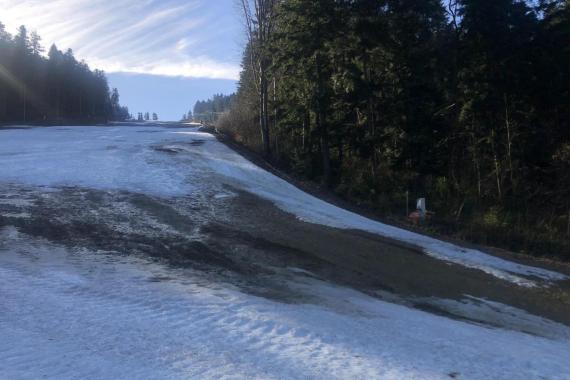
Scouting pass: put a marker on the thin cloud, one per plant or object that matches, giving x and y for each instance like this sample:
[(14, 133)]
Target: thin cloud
[(167, 37)]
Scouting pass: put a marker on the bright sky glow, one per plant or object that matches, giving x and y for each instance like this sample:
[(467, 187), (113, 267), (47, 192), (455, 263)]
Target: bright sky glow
[(162, 55), (188, 38)]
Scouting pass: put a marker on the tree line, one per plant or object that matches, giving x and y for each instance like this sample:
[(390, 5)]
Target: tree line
[(53, 89), (145, 116), (465, 102), (208, 111)]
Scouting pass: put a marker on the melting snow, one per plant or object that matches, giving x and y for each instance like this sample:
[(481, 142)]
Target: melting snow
[(217, 157), (90, 157), (68, 315)]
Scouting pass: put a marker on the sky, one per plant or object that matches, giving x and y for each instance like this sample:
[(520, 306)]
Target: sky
[(162, 55)]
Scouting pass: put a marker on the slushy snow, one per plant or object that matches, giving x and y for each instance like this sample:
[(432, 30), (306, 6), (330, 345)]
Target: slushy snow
[(125, 158), (217, 157), (68, 314), (76, 314)]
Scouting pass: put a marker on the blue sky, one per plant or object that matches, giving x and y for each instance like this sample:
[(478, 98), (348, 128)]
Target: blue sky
[(171, 96), (162, 55)]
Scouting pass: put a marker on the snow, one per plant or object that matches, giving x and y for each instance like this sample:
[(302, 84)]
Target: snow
[(79, 314), (497, 314), (73, 313), (163, 161), (112, 158), (308, 208)]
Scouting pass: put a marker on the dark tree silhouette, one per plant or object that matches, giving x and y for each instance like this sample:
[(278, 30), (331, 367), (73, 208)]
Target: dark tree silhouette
[(56, 88), (465, 103)]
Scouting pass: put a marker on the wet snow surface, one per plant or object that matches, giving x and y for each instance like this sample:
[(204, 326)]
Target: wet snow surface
[(92, 284)]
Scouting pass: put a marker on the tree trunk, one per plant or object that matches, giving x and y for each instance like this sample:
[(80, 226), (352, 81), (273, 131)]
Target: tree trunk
[(477, 166), (3, 105), (322, 127), (25, 95), (58, 104), (509, 143), (325, 151), (306, 125), (568, 225), (497, 166), (263, 116), (80, 106), (274, 104)]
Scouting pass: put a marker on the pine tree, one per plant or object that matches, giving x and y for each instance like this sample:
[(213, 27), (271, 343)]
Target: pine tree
[(57, 88), (35, 44), (303, 37), (469, 108)]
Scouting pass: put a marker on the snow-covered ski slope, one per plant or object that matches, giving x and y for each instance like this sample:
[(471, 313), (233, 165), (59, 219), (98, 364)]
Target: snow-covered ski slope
[(74, 314), (123, 158), (71, 313)]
